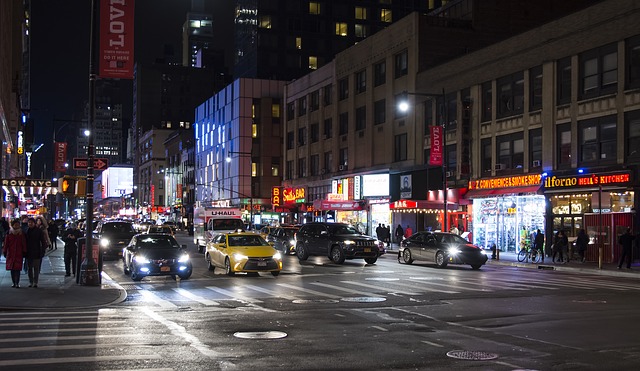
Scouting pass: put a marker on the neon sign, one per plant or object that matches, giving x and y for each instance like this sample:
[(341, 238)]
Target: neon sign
[(276, 196), (510, 181), (404, 204), (293, 195), (587, 180)]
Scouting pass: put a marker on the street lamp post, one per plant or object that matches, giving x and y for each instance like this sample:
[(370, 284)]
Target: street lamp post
[(404, 106)]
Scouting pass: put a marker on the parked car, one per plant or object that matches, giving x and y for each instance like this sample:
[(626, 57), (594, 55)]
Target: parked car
[(242, 252), (337, 241), (156, 255), (283, 238), (113, 236), (441, 248)]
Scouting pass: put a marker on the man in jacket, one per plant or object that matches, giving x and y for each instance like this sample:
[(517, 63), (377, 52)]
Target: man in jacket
[(70, 238), (36, 247), (626, 241)]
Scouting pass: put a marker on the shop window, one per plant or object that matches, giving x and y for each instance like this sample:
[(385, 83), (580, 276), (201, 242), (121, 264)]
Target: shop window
[(535, 88), (487, 153), (326, 95), (343, 123), (563, 149), (343, 89), (379, 73), (328, 128), (632, 123), (401, 64), (598, 71), (361, 81), (633, 62), (510, 95), (597, 138), (361, 118), (379, 112), (487, 101), (568, 211), (535, 148), (400, 148), (510, 153)]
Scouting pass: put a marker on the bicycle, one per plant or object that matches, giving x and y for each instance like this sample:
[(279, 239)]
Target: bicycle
[(528, 254)]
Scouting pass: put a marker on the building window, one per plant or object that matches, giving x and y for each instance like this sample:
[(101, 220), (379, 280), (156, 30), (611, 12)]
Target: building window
[(315, 132), (385, 15), (633, 62), (598, 71), (361, 81), (535, 88), (401, 64), (564, 80), (564, 145), (302, 106), (313, 62), (361, 30), (632, 123), (361, 12), (487, 101), (328, 160), (344, 156), (327, 95), (597, 138), (314, 101), (302, 168), (254, 169), (254, 130), (328, 129), (302, 136), (379, 73), (400, 148), (298, 43), (379, 112), (290, 140), (341, 29), (314, 165), (275, 166), (487, 155), (314, 8), (291, 111), (264, 21), (510, 152), (343, 89), (275, 110), (361, 118), (290, 170), (535, 148), (343, 123), (510, 95), (452, 159)]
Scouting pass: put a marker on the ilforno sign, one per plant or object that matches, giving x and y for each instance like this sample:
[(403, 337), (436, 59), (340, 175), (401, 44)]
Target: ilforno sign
[(588, 180)]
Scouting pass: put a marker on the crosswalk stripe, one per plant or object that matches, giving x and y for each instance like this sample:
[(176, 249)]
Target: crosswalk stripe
[(63, 338), (59, 323), (150, 296), (395, 283), (457, 287), (80, 329), (338, 288), (500, 284), (271, 292), (70, 347), (233, 295), (194, 297), (309, 291), (45, 361)]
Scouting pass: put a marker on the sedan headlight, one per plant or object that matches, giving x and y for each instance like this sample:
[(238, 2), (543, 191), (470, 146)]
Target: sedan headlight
[(183, 259), (104, 242), (349, 242), (141, 259), (454, 251), (238, 256)]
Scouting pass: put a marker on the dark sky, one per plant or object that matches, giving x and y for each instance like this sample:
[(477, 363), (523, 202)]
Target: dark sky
[(60, 55)]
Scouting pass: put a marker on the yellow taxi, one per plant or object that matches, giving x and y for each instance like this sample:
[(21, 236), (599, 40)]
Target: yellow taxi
[(242, 252), (265, 231)]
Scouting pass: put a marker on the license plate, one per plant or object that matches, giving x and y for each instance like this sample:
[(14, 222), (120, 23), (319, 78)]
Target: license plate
[(367, 249), (262, 264), (165, 269)]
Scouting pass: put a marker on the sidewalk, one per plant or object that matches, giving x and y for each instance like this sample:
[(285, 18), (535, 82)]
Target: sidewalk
[(54, 289)]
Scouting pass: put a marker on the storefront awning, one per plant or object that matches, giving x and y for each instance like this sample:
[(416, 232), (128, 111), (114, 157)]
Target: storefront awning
[(479, 193), (338, 205), (404, 205)]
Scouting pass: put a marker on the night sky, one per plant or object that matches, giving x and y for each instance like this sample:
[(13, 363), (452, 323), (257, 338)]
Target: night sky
[(60, 56)]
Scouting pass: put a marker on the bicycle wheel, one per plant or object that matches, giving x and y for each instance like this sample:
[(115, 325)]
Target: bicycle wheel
[(536, 257), (522, 255)]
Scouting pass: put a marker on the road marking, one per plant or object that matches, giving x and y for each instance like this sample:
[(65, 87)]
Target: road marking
[(66, 330), (149, 296), (97, 359), (432, 343), (309, 291), (56, 323), (452, 285), (194, 297), (375, 287), (380, 328), (271, 292), (56, 338), (71, 347), (357, 292), (233, 295)]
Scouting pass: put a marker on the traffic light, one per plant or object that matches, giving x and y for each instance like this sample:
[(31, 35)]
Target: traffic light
[(67, 186)]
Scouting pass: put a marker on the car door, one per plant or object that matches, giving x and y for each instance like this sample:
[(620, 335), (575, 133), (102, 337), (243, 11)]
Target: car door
[(322, 240), (430, 247), (217, 250)]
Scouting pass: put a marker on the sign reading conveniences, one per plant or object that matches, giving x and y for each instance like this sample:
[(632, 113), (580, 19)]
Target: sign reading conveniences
[(588, 180), (505, 182)]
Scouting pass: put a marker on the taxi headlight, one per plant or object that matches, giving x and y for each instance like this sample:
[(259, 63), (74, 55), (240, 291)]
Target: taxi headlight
[(238, 256), (104, 242), (183, 259), (454, 251), (277, 256), (141, 259)]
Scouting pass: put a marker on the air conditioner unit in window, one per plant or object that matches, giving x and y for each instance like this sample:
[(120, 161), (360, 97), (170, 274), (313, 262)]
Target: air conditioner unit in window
[(323, 171), (342, 167), (499, 167), (536, 163)]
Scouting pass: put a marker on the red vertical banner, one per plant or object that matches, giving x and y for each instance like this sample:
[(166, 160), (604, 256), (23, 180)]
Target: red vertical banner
[(60, 153), (435, 157), (152, 196), (116, 39), (179, 191)]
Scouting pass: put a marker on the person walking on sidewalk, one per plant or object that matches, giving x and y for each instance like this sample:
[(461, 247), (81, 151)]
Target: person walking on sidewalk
[(560, 244), (538, 244), (42, 224), (408, 232), (581, 243), (52, 230), (626, 241), (399, 234), (36, 247), (70, 238), (14, 249)]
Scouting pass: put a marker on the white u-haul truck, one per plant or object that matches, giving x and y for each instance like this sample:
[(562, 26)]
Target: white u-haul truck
[(208, 221)]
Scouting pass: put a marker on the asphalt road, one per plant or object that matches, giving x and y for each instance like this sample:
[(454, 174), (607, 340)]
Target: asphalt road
[(318, 315)]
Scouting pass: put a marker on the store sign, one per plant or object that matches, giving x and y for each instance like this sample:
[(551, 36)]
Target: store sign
[(505, 182), (404, 204), (357, 194), (335, 197), (276, 196), (435, 155), (590, 180), (293, 195), (20, 142), (375, 185)]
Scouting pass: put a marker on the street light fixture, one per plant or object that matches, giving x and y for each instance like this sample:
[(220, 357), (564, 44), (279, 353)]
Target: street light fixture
[(403, 105)]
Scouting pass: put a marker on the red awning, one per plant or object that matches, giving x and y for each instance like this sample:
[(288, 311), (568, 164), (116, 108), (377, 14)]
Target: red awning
[(337, 205), (422, 204), (479, 193)]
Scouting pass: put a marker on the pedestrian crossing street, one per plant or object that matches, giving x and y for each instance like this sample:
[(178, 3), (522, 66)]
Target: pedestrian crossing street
[(235, 291)]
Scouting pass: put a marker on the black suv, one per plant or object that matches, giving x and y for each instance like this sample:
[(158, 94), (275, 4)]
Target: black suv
[(337, 241), (113, 236)]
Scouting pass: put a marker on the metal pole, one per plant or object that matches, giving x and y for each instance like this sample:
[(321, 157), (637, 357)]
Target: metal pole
[(444, 160), (600, 240), (89, 274)]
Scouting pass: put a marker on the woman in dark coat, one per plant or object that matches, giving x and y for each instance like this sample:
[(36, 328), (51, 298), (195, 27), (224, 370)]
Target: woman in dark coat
[(14, 249), (581, 243)]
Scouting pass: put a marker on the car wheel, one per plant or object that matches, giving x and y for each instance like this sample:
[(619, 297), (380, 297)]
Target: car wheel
[(173, 277), (275, 273), (227, 266), (185, 276), (302, 252), (210, 265), (136, 276), (475, 267), (441, 260), (125, 269), (406, 256), (370, 260), (200, 249), (337, 255)]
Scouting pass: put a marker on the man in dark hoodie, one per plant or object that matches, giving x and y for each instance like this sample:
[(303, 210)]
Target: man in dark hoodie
[(36, 247)]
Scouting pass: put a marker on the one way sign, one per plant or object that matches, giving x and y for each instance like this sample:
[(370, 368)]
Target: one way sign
[(98, 163)]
